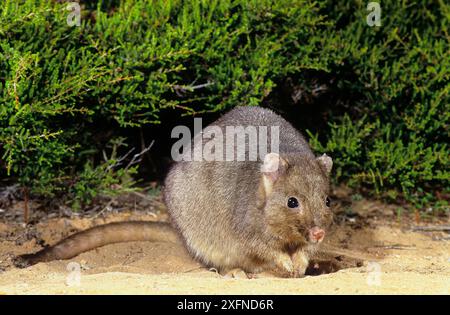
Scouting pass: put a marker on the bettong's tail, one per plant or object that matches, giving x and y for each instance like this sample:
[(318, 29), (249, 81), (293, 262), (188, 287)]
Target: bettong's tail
[(99, 236)]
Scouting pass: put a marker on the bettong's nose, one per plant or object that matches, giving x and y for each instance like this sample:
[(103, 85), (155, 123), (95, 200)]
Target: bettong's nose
[(316, 234)]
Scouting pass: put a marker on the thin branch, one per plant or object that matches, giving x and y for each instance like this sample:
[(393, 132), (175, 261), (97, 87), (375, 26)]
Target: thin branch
[(26, 208), (395, 246), (137, 158), (180, 89), (119, 161), (445, 228)]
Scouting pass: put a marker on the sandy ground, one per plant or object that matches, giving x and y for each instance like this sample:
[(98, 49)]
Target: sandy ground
[(371, 251)]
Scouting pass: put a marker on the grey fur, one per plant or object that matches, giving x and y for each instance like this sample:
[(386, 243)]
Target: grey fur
[(227, 220)]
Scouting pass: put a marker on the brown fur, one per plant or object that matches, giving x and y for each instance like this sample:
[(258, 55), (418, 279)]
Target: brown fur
[(231, 214), (229, 218), (99, 236)]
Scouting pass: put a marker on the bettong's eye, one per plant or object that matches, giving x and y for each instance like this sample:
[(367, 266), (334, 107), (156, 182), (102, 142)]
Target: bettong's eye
[(292, 202), (328, 202)]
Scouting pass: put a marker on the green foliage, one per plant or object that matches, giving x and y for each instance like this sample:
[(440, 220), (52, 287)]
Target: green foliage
[(397, 137), (109, 178), (125, 64), (130, 61)]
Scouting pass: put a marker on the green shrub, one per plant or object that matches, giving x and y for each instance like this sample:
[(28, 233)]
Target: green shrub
[(126, 64), (131, 61), (397, 137)]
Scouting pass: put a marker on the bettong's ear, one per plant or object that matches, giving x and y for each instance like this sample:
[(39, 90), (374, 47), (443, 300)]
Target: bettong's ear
[(273, 167), (325, 162)]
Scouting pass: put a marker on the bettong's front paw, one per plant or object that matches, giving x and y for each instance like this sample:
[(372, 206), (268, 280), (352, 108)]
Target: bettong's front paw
[(300, 262), (292, 266)]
